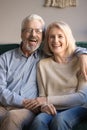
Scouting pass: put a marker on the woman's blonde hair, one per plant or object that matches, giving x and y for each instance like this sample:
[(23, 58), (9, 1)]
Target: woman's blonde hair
[(68, 34)]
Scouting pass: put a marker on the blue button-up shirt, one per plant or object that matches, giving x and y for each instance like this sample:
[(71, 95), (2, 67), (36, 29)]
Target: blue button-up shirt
[(17, 77)]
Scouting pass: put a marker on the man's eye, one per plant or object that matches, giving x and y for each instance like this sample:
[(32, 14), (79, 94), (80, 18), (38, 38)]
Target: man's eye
[(30, 30)]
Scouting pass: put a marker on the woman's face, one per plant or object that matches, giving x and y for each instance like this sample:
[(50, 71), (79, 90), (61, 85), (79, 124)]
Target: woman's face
[(57, 41)]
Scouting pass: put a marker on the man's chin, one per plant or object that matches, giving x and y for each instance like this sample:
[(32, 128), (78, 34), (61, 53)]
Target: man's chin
[(32, 49)]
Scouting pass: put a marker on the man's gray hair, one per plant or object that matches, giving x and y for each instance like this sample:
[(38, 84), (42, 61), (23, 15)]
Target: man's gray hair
[(31, 17)]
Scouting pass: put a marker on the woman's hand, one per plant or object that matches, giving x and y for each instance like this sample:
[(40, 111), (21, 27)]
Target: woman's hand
[(49, 108)]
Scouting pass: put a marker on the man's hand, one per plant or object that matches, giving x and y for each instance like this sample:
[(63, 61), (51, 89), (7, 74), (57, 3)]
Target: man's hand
[(83, 65), (49, 108), (32, 104)]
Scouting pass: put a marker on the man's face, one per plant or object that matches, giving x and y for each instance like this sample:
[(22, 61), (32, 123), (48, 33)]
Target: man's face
[(32, 35)]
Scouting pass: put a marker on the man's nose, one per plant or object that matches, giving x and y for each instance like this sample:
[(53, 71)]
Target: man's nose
[(33, 32)]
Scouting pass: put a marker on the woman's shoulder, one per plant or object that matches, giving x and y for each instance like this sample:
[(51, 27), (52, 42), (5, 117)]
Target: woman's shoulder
[(45, 61)]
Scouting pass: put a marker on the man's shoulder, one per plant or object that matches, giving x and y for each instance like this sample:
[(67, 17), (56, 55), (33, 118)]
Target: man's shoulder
[(10, 52)]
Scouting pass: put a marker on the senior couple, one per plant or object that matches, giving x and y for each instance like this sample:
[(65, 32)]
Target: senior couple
[(46, 89)]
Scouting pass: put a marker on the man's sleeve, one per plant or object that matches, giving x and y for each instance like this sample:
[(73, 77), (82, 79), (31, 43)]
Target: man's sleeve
[(7, 97), (80, 50)]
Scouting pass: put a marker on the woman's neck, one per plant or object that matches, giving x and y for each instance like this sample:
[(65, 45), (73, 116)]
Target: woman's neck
[(62, 59)]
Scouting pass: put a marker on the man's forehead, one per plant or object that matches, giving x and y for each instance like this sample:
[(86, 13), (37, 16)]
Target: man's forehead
[(33, 23)]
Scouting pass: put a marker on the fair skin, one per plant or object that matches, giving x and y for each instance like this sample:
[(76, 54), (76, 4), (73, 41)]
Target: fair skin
[(32, 38)]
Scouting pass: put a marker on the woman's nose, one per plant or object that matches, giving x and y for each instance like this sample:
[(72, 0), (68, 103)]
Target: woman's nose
[(56, 39)]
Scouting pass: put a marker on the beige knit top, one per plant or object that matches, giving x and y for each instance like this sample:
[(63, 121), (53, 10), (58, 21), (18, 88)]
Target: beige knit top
[(61, 83)]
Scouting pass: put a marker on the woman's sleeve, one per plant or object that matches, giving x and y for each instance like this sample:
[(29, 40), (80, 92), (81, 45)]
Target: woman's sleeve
[(77, 98), (80, 50)]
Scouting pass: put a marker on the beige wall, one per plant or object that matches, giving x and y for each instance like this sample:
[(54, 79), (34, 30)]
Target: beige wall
[(13, 11)]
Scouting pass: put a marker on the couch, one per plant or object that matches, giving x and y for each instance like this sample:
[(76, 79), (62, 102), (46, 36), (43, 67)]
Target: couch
[(6, 47)]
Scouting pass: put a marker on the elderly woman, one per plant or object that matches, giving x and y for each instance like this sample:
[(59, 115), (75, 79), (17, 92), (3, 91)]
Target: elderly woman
[(60, 83)]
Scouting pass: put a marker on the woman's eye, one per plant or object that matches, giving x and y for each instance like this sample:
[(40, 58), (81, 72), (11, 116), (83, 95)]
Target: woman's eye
[(51, 36), (60, 36)]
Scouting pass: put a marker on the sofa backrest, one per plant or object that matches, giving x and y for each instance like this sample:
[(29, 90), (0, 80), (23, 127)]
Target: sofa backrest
[(82, 44), (6, 47)]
